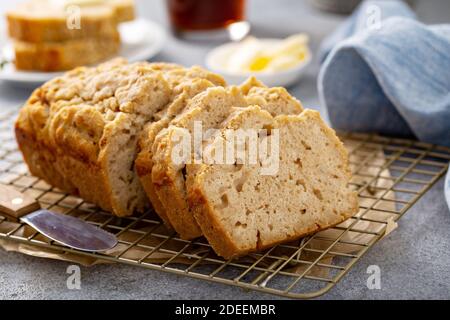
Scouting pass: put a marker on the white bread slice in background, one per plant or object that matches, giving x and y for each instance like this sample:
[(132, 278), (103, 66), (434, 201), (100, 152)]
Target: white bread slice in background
[(40, 21), (66, 55)]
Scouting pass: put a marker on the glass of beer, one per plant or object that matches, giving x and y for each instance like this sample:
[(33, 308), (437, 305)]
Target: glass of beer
[(208, 19)]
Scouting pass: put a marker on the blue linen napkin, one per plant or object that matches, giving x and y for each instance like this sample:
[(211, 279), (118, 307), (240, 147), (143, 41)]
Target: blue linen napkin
[(385, 72)]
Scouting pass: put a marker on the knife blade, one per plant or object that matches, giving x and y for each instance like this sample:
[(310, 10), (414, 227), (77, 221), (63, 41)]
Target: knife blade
[(67, 230)]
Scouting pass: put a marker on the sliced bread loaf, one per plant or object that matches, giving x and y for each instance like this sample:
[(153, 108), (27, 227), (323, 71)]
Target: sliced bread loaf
[(239, 210), (111, 134)]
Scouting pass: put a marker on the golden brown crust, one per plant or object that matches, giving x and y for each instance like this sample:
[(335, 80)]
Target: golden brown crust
[(178, 207), (166, 185), (144, 166), (79, 122)]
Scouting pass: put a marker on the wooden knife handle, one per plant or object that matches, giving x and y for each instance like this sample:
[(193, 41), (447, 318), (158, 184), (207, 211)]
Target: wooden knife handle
[(14, 204)]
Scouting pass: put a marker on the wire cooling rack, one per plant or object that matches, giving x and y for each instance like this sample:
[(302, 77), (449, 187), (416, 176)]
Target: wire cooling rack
[(389, 174)]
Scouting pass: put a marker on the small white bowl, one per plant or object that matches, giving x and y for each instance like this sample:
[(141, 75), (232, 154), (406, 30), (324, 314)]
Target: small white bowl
[(271, 79)]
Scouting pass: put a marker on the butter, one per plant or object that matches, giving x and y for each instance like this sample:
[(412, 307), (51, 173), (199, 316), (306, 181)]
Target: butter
[(253, 55)]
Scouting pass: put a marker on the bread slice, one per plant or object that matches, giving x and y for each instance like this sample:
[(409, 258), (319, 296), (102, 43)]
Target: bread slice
[(79, 131), (211, 108), (61, 56), (186, 83), (239, 210), (40, 21)]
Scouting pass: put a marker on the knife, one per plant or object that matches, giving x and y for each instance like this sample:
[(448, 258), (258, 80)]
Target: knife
[(67, 230)]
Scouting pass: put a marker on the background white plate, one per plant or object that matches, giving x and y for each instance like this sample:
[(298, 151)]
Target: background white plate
[(141, 40)]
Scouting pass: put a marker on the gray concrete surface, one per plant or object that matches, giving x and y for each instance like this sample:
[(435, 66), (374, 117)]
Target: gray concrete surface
[(414, 259)]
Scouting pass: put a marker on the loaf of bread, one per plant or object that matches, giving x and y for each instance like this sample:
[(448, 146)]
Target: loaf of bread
[(109, 135), (40, 21), (66, 55), (240, 210)]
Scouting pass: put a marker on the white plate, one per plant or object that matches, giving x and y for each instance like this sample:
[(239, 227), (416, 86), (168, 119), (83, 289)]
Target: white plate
[(141, 40), (272, 79)]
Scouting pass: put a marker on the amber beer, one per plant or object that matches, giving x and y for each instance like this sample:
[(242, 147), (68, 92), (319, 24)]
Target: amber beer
[(205, 15)]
